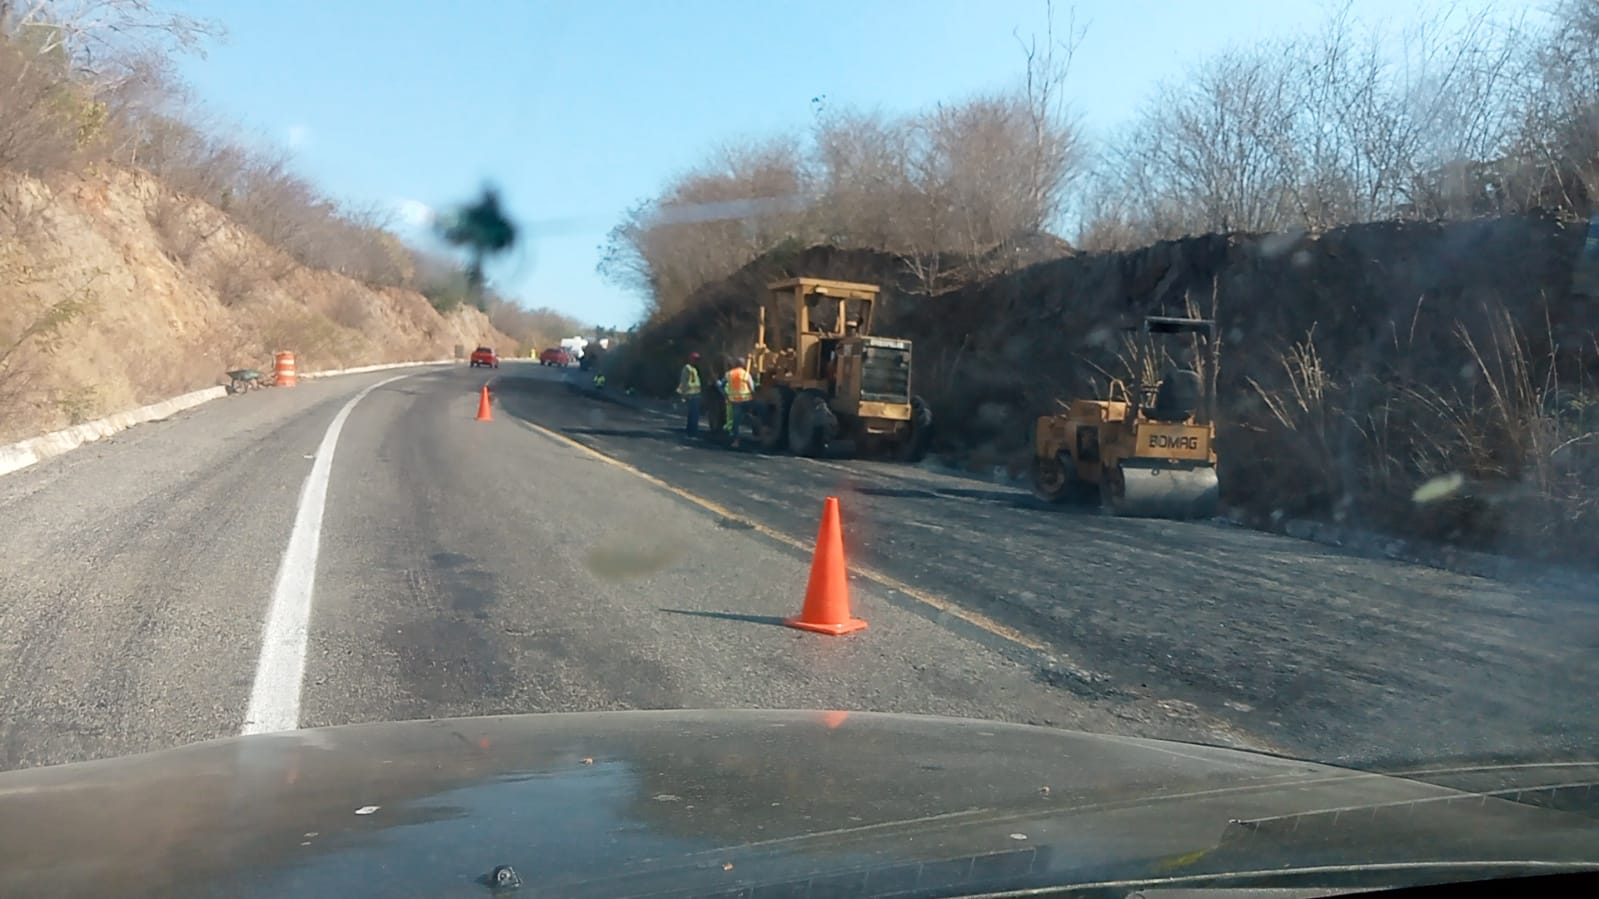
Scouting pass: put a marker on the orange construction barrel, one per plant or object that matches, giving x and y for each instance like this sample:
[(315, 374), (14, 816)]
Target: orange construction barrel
[(283, 370)]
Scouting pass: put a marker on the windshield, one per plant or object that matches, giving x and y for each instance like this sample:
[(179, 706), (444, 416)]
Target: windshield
[(1222, 375)]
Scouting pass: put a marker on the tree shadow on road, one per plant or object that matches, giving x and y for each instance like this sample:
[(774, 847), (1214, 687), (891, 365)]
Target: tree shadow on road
[(731, 616)]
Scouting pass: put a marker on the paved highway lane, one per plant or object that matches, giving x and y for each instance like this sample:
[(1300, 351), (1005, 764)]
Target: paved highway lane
[(462, 567), (136, 572), (479, 568), (1172, 627)]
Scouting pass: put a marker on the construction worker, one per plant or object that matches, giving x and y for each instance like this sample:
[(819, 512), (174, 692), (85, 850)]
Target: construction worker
[(830, 364), (688, 390), (738, 385)]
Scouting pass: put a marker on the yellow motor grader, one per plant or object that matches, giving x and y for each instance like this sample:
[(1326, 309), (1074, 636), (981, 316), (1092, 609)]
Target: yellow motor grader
[(834, 383)]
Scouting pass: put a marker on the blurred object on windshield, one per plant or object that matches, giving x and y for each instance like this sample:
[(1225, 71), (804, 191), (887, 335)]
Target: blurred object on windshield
[(482, 230)]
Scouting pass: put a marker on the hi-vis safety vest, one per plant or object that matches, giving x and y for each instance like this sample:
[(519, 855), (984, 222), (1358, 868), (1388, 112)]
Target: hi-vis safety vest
[(738, 386), (689, 383)]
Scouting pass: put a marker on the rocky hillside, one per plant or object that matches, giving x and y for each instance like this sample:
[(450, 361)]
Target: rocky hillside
[(116, 291), (1355, 365)]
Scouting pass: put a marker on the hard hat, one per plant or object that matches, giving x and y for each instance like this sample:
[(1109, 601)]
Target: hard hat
[(693, 357)]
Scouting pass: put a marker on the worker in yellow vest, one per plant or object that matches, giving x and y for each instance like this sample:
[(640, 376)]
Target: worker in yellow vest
[(688, 390), (738, 385)]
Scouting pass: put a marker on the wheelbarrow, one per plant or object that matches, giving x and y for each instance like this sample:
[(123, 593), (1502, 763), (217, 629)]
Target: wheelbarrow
[(246, 379)]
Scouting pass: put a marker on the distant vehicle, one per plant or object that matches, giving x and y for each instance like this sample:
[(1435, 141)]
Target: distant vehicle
[(484, 356), (555, 356)]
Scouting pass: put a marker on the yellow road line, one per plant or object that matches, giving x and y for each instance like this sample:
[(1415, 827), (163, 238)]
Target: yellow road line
[(943, 606)]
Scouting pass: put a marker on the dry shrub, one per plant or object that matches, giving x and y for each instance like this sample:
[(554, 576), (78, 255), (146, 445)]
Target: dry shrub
[(237, 279), (351, 308), (23, 211), (155, 372), (1524, 440), (955, 192), (1305, 417), (79, 404), (1516, 441), (30, 333), (416, 312), (314, 339), (177, 228), (38, 131), (532, 328), (278, 265)]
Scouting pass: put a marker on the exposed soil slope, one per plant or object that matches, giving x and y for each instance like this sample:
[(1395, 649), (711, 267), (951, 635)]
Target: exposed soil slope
[(165, 293)]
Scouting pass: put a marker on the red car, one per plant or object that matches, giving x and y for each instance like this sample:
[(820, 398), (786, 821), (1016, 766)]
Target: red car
[(485, 357), (555, 356)]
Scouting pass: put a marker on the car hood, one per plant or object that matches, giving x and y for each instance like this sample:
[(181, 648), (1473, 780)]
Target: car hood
[(694, 803)]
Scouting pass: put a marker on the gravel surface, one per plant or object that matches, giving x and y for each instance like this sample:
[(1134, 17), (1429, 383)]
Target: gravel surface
[(1243, 636)]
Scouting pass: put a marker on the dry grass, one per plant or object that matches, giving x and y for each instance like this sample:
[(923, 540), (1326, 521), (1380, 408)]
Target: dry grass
[(1299, 440), (180, 232), (1512, 436), (1140, 363), (1207, 352), (28, 341), (1523, 440), (1304, 404), (237, 280), (350, 308), (315, 340), (39, 131)]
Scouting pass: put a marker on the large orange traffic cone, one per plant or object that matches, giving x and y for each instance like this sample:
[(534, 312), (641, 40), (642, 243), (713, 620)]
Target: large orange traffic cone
[(483, 411), (827, 594)]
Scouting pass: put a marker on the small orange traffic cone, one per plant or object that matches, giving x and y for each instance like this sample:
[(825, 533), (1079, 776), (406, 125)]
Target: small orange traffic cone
[(826, 608), (483, 411)]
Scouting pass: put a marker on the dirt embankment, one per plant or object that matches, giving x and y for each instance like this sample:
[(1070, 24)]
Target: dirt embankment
[(1355, 366), (136, 294)]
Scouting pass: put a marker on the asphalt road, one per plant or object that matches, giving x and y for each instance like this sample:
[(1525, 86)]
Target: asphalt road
[(1200, 630), (575, 554)]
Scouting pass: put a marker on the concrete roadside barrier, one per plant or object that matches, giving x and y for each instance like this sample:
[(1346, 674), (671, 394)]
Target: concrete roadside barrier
[(366, 368), (20, 455)]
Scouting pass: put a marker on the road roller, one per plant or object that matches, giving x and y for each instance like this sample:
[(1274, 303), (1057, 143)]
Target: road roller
[(1146, 451)]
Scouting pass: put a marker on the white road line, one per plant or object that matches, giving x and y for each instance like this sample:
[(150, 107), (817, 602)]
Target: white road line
[(275, 699)]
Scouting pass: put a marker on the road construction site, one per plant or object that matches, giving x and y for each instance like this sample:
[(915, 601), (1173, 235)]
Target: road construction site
[(1168, 625), (575, 552)]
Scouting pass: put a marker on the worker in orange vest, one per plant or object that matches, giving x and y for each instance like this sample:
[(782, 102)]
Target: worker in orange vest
[(738, 385)]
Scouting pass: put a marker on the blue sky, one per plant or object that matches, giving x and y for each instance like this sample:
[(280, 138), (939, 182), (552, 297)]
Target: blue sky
[(579, 108)]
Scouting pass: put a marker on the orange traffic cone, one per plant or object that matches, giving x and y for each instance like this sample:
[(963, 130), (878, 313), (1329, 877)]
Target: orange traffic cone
[(483, 411), (827, 595)]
